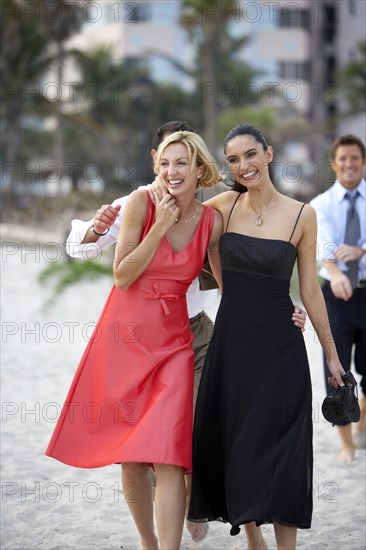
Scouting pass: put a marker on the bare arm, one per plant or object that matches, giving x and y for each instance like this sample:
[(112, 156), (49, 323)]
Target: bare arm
[(311, 293), (83, 243), (132, 255), (222, 202), (213, 248), (103, 220)]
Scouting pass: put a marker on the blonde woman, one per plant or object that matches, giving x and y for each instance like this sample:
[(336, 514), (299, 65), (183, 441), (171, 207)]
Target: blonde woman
[(131, 399)]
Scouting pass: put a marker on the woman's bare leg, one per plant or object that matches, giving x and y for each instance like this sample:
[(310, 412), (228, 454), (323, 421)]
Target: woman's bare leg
[(198, 531), (137, 488), (254, 537), (348, 448), (170, 497), (285, 537), (360, 427)]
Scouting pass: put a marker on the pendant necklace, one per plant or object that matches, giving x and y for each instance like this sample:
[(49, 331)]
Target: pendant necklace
[(188, 219), (259, 220)]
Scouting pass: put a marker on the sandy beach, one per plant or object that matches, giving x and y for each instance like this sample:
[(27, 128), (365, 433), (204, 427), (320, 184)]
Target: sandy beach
[(48, 505)]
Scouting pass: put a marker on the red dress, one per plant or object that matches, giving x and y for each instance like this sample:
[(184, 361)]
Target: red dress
[(131, 397)]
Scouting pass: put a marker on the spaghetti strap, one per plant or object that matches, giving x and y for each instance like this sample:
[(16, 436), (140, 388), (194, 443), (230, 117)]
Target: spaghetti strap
[(232, 208), (297, 219)]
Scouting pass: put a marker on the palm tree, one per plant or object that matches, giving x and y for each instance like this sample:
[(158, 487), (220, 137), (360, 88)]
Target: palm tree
[(352, 80), (118, 116), (60, 19), (24, 61), (217, 69)]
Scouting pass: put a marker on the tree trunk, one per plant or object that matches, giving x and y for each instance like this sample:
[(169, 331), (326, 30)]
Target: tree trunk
[(11, 145), (212, 87), (58, 144)]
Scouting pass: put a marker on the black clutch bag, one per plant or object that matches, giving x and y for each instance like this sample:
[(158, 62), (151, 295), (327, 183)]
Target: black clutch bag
[(341, 406)]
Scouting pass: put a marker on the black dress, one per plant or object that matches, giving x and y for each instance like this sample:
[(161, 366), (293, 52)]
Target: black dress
[(252, 442)]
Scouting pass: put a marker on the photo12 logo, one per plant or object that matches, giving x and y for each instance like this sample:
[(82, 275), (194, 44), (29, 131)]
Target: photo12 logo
[(70, 491)]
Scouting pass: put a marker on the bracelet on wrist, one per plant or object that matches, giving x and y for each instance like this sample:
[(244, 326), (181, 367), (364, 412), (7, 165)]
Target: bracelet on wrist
[(99, 234)]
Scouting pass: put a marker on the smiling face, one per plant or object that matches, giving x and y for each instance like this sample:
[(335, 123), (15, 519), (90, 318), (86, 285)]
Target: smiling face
[(247, 160), (176, 171), (348, 165)]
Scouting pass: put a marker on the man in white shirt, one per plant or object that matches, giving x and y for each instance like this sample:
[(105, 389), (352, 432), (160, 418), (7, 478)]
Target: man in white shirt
[(88, 239), (341, 213)]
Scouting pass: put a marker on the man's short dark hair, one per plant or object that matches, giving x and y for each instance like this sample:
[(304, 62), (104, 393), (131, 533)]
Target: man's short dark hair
[(348, 139), (170, 128)]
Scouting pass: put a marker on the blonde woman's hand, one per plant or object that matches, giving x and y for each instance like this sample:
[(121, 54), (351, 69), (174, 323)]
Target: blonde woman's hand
[(157, 190), (158, 186), (167, 211)]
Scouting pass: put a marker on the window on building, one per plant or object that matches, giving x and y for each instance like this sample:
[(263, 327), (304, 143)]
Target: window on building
[(330, 69), (134, 63), (352, 7), (352, 54), (330, 65), (331, 110), (294, 70), (330, 13), (329, 24), (293, 18), (136, 12)]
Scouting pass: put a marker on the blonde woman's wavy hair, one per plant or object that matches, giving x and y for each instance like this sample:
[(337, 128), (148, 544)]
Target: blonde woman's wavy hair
[(198, 155)]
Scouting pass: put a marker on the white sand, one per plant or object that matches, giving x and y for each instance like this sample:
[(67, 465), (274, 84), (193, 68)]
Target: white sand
[(46, 504)]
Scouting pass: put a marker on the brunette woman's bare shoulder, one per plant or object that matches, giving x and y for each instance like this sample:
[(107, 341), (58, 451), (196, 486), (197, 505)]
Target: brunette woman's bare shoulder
[(222, 200), (289, 202)]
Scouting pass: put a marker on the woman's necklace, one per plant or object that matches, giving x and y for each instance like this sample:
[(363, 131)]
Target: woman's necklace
[(188, 219), (259, 220)]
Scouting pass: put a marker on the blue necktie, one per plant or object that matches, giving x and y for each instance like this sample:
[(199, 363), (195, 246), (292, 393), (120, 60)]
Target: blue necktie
[(352, 236)]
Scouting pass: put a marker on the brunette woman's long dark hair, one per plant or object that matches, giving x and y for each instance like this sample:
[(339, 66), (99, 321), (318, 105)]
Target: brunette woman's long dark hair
[(247, 130)]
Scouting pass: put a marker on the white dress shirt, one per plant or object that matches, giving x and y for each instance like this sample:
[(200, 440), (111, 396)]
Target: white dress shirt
[(331, 210), (197, 300)]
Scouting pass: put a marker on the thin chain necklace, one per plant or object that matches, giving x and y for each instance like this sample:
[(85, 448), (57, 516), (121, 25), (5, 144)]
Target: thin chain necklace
[(259, 220), (187, 220)]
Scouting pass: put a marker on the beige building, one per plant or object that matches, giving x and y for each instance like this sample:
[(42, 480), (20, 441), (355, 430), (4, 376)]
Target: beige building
[(336, 33), (299, 47), (144, 32), (351, 31)]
